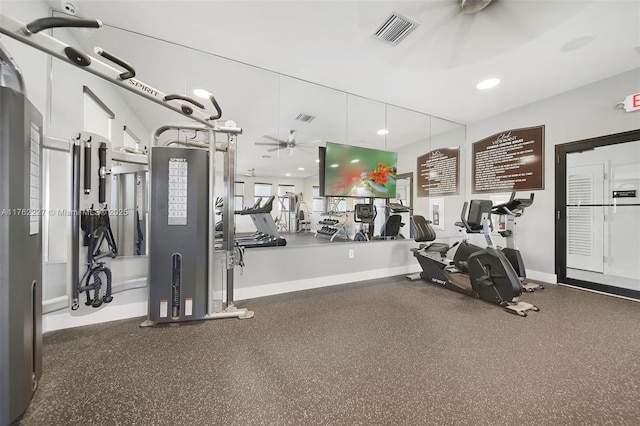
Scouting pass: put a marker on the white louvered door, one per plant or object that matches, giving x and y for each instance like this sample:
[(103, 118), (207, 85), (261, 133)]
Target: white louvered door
[(585, 217)]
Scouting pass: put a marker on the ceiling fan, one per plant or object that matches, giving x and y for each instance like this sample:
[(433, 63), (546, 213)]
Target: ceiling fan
[(473, 6), (290, 143), (251, 173)]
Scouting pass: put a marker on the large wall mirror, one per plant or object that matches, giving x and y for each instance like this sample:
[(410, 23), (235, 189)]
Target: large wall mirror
[(271, 108)]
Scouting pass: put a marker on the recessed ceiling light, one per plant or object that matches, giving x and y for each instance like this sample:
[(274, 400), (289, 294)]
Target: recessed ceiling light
[(383, 132), (301, 169), (317, 161), (355, 160), (287, 174), (201, 93), (334, 165), (488, 84)]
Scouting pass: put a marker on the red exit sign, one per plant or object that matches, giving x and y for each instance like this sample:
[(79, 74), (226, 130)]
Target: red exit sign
[(632, 102)]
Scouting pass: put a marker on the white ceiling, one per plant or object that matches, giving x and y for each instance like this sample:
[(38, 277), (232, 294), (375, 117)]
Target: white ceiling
[(537, 48), (434, 70)]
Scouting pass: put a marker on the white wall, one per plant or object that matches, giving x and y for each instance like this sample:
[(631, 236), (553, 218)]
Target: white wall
[(276, 270), (575, 115), (407, 163)]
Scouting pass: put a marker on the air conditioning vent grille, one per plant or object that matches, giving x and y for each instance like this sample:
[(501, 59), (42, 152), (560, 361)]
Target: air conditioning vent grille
[(305, 118), (394, 29)]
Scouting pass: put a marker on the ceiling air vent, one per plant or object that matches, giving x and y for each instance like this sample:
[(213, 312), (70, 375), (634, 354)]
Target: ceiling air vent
[(394, 29), (305, 118)]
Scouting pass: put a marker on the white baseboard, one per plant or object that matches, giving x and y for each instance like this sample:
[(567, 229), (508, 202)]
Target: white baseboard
[(543, 277), (599, 292), (113, 312)]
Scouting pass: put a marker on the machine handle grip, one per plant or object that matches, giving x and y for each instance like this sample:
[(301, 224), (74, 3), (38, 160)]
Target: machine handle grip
[(87, 169), (188, 111), (102, 183), (184, 98), (463, 214), (130, 73), (217, 107), (45, 23)]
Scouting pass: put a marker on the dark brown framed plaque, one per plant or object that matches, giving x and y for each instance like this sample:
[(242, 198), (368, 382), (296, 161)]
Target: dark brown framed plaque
[(510, 160), (439, 172)]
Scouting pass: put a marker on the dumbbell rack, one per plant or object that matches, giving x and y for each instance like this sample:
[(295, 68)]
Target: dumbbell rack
[(332, 227)]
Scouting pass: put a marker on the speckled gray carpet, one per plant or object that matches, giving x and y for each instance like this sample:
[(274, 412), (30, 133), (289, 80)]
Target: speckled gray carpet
[(388, 352)]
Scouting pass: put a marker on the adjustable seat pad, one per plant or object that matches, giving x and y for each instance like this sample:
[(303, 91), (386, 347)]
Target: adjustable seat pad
[(424, 232)]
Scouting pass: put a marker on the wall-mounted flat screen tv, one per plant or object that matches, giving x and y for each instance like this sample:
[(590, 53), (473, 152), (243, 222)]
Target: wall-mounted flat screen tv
[(353, 171)]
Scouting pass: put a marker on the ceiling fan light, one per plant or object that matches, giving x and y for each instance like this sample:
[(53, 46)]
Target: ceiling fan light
[(488, 84), (473, 6)]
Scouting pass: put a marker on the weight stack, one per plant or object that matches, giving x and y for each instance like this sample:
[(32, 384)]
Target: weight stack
[(178, 234)]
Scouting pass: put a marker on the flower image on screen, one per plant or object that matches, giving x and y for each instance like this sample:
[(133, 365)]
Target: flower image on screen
[(352, 171)]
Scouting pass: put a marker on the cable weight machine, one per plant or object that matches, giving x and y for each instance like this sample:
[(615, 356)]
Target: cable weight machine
[(20, 303), (91, 236), (183, 268)]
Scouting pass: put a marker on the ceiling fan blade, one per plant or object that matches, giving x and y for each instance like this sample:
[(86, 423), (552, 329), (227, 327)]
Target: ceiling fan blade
[(275, 139), (463, 30), (277, 145), (276, 148)]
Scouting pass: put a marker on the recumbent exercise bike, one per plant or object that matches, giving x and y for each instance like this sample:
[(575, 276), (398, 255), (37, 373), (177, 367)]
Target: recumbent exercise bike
[(511, 209), (491, 276)]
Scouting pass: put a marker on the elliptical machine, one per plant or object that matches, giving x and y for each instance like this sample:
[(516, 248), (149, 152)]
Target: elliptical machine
[(491, 276), (511, 210), (365, 215)]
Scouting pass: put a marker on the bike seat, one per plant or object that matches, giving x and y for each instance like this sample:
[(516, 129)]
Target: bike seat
[(441, 248)]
